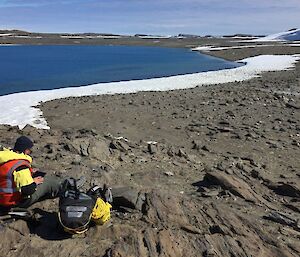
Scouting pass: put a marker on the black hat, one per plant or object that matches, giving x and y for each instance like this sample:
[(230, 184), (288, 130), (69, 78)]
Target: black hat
[(22, 144)]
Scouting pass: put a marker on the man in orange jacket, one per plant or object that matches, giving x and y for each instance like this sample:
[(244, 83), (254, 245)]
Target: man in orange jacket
[(19, 185)]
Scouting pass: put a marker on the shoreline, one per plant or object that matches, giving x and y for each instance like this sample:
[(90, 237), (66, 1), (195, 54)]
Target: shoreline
[(24, 113)]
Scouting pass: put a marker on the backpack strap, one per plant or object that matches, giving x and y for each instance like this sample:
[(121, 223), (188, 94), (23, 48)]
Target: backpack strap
[(69, 186)]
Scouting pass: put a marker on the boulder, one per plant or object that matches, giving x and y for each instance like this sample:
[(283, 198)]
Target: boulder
[(79, 146), (235, 185), (128, 197), (285, 189), (197, 145), (171, 151), (119, 145), (293, 105), (152, 148), (98, 149), (182, 153)]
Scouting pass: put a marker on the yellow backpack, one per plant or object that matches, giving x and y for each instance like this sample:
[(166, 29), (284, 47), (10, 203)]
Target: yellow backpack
[(101, 212)]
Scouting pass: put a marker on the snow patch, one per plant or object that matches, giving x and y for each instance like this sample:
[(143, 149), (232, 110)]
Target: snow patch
[(292, 44), (109, 37), (6, 35), (219, 48), (154, 37)]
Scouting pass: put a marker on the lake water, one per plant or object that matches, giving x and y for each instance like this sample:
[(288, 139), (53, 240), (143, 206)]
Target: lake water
[(29, 68)]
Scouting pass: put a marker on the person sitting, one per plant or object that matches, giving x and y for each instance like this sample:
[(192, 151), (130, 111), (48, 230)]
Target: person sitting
[(20, 184)]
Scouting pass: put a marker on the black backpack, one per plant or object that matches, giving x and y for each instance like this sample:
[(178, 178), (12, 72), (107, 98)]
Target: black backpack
[(75, 208)]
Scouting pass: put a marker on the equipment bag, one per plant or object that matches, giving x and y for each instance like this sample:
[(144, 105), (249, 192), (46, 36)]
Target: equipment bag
[(78, 209), (75, 208), (103, 198)]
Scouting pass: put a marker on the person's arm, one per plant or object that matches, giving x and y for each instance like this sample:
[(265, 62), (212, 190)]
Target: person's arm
[(24, 181)]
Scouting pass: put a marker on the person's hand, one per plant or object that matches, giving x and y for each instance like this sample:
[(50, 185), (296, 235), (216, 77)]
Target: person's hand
[(34, 170), (38, 180)]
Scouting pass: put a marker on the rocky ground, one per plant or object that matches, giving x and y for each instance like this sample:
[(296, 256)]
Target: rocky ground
[(210, 171)]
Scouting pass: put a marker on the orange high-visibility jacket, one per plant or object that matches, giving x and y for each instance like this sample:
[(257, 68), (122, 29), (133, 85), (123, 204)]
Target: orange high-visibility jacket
[(9, 191)]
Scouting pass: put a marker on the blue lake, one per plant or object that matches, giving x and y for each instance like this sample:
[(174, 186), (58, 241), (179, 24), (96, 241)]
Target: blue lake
[(29, 68)]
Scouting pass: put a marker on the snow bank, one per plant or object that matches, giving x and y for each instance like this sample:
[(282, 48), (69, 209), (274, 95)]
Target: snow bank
[(6, 35), (209, 48), (19, 110)]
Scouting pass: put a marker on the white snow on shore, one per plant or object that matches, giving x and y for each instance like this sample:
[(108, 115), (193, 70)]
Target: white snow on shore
[(5, 34), (209, 48), (19, 108)]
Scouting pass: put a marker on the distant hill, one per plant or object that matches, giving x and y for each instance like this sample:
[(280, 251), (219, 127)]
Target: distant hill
[(290, 35), (12, 31), (242, 36)]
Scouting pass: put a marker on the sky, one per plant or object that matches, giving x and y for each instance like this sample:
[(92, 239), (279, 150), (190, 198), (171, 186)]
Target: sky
[(158, 17)]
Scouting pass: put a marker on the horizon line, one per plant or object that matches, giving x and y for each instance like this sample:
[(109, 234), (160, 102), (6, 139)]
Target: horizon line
[(134, 34)]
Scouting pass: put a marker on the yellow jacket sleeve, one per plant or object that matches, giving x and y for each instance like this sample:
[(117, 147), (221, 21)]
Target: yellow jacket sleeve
[(22, 178)]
